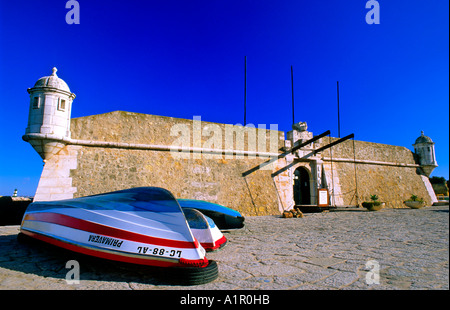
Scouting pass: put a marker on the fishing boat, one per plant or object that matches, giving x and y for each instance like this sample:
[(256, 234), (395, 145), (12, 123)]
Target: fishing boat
[(144, 225), (223, 217), (204, 230)]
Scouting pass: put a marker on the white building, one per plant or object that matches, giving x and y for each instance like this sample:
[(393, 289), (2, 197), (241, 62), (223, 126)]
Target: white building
[(424, 149), (49, 115)]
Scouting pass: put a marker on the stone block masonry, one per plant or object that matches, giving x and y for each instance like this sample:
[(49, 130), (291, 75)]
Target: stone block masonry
[(216, 180), (213, 177), (202, 160), (56, 181), (388, 171)]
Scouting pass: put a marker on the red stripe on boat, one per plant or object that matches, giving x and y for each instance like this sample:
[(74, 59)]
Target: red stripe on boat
[(221, 242), (214, 246), (72, 222), (194, 262)]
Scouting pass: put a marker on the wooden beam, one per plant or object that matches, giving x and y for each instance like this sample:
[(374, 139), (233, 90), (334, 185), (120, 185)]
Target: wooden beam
[(282, 155)]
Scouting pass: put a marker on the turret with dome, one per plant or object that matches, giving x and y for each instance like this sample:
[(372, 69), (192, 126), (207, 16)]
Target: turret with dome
[(49, 114), (424, 149)]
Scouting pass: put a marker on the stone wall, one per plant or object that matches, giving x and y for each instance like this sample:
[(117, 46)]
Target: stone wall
[(56, 182), (216, 180), (119, 150), (128, 127), (388, 171), (212, 177), (369, 151)]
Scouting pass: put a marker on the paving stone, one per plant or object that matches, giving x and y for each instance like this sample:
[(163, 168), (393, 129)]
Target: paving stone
[(320, 251)]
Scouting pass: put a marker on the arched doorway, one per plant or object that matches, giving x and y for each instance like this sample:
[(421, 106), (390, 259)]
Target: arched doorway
[(302, 194)]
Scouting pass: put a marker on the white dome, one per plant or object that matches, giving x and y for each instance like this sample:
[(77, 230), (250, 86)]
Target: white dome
[(52, 81), (423, 139)]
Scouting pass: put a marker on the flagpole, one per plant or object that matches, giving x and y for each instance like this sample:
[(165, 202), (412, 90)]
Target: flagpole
[(245, 92), (339, 121), (292, 86)]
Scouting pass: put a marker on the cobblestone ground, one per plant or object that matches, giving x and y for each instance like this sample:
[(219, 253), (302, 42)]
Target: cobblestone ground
[(343, 249)]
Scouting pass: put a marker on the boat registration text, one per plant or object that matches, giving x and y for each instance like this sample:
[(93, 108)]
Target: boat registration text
[(158, 251)]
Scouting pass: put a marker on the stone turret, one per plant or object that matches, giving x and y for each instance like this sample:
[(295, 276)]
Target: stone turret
[(424, 148), (49, 115)]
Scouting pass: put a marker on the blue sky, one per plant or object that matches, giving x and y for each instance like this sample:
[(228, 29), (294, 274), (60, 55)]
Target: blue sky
[(186, 58)]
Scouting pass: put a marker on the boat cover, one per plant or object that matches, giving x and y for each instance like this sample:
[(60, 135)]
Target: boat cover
[(223, 217)]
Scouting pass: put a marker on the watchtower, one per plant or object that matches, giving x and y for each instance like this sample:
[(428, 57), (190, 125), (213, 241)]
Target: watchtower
[(49, 115), (424, 148)]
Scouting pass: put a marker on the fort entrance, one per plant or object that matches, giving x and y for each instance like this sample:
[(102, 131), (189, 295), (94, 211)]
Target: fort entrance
[(302, 191)]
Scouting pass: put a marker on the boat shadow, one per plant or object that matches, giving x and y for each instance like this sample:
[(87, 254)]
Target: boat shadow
[(47, 261)]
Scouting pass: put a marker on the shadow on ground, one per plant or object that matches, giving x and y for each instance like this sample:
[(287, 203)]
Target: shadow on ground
[(45, 260)]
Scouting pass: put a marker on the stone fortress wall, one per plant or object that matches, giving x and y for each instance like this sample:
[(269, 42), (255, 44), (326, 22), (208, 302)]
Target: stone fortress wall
[(206, 176), (213, 162), (388, 171), (118, 150)]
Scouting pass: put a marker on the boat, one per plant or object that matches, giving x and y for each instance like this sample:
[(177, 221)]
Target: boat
[(204, 230), (143, 225), (223, 217)]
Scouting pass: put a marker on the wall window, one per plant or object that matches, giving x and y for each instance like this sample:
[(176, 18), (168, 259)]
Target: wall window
[(36, 102), (61, 104)]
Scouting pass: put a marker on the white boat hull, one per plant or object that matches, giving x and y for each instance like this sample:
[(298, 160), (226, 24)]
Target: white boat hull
[(141, 226)]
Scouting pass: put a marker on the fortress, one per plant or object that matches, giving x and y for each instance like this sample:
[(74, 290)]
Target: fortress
[(252, 170)]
